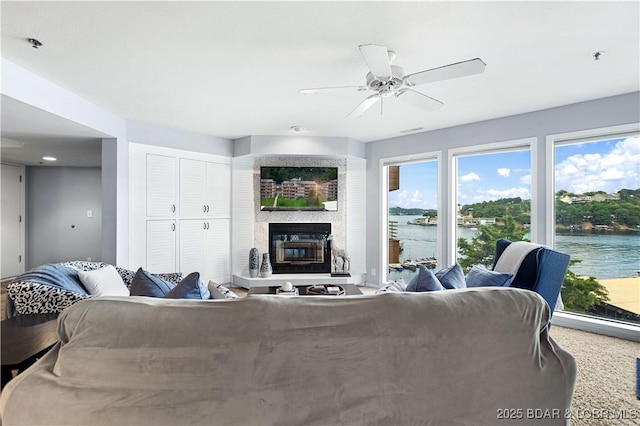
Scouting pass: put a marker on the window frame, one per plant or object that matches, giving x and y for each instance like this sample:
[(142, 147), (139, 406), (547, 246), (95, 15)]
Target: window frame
[(385, 163), (529, 143), (609, 327)]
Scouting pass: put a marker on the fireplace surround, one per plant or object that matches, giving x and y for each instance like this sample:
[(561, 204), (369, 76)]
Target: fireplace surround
[(299, 248)]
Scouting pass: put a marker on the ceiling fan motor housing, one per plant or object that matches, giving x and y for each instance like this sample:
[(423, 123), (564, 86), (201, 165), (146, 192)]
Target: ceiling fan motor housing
[(386, 87)]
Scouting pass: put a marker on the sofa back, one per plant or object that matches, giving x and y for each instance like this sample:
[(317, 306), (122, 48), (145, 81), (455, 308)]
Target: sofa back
[(458, 356)]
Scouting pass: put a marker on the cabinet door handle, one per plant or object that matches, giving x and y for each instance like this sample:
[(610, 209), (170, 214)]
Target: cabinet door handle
[(173, 226), (207, 225), (204, 225), (173, 208), (204, 209), (207, 208)]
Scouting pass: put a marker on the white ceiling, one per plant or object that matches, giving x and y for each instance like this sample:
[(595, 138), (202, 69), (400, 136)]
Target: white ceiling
[(233, 69)]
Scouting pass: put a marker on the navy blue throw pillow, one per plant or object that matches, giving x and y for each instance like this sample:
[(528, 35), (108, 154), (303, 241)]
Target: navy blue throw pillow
[(451, 277), (424, 281), (147, 284), (190, 288), (480, 276)]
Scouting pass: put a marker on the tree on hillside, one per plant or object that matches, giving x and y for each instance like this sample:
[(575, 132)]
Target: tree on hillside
[(581, 293), (481, 249), (578, 293)]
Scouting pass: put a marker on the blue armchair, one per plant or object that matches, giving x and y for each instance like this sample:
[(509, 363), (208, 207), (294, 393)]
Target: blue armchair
[(542, 271)]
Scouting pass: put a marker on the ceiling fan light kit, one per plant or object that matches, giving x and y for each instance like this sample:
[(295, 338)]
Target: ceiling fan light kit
[(388, 80)]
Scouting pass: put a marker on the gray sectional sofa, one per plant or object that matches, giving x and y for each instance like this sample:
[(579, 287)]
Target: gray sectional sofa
[(479, 356)]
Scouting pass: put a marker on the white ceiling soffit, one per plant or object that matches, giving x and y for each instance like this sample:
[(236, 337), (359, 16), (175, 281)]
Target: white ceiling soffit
[(29, 133), (233, 69)]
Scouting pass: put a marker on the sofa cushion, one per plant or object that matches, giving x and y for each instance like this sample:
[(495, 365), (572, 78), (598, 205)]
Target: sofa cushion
[(479, 276), (218, 291), (189, 288), (103, 282), (147, 284), (451, 277), (424, 281)]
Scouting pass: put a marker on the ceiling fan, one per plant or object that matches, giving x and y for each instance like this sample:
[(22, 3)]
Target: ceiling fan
[(388, 80)]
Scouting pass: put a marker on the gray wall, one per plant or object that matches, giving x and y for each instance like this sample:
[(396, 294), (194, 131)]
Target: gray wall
[(58, 228), (599, 113)]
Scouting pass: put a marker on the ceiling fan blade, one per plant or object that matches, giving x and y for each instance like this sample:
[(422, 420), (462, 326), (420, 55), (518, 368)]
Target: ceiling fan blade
[(331, 89), (377, 59), (364, 106), (459, 69), (419, 100)]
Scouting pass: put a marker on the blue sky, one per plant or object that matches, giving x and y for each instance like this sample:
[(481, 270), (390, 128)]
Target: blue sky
[(608, 165)]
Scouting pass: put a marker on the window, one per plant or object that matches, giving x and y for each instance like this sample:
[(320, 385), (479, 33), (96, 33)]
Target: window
[(412, 217), (597, 222), (493, 200)]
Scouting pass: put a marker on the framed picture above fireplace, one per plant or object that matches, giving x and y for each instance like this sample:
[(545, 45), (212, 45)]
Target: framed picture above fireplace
[(298, 188)]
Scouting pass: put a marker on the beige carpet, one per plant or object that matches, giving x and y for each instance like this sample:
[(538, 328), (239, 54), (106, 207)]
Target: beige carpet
[(605, 386)]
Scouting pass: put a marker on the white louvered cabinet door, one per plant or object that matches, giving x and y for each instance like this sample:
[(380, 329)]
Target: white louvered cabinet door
[(218, 258), (161, 186), (192, 188), (218, 190), (161, 246), (192, 246)]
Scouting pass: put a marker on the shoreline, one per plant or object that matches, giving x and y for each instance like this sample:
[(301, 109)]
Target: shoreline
[(623, 292)]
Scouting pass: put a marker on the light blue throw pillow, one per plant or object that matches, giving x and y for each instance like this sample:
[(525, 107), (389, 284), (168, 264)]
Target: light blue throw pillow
[(479, 276), (424, 281), (190, 288), (452, 277)]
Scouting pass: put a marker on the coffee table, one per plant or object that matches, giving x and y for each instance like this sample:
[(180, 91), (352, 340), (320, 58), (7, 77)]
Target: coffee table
[(26, 338), (349, 289)]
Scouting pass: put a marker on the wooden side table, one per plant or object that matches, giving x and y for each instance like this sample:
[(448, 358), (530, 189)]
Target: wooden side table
[(24, 339)]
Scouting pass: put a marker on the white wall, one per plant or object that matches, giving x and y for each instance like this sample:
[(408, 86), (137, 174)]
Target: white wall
[(250, 226), (27, 87), (606, 112)]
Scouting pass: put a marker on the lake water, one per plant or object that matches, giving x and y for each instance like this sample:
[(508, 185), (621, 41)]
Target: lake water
[(604, 255)]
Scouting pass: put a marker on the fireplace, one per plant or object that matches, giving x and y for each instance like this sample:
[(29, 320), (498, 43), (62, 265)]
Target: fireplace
[(299, 248)]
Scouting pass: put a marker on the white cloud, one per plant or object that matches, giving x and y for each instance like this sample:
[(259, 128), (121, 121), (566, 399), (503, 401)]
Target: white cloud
[(525, 180), (416, 197), (408, 200), (494, 194), (399, 199), (504, 172), (469, 177), (609, 172)]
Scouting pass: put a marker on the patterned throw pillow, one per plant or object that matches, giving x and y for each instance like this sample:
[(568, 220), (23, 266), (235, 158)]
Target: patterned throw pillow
[(189, 288), (424, 281), (479, 276), (393, 286), (218, 291)]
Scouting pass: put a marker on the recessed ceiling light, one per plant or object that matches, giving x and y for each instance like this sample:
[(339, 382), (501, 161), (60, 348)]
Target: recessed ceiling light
[(297, 129), (49, 158)]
